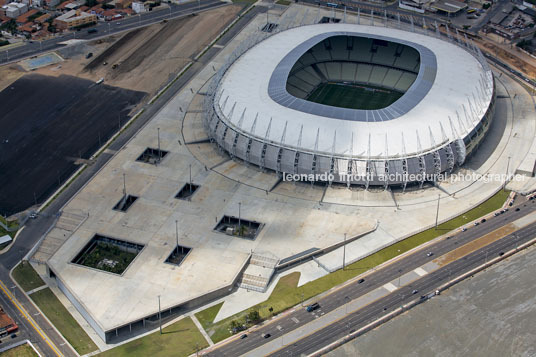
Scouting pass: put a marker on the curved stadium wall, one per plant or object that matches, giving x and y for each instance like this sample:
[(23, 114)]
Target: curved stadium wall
[(389, 64)]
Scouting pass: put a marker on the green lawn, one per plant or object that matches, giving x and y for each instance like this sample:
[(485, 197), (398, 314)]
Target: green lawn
[(206, 316), (11, 225), (20, 351), (63, 321), (26, 276), (179, 339), (353, 96), (286, 293)]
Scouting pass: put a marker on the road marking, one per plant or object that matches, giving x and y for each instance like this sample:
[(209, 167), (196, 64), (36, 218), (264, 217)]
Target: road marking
[(420, 271), (279, 327), (217, 46), (295, 320), (390, 287), (30, 320)]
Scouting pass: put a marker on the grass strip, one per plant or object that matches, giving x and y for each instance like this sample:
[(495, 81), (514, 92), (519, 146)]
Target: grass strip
[(60, 317), (26, 276)]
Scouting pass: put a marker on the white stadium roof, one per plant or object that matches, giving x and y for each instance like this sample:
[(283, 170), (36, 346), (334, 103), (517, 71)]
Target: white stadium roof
[(435, 118)]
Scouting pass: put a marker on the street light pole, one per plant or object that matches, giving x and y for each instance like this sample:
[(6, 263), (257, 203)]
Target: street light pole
[(177, 236), (239, 219), (159, 315), (344, 253), (506, 178), (159, 155), (124, 185), (190, 178), (437, 211)]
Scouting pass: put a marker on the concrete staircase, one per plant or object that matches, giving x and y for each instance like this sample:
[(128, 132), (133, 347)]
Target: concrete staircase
[(64, 227), (259, 271)]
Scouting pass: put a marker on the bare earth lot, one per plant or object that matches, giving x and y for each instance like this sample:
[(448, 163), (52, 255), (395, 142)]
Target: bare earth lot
[(147, 58), (47, 124), (489, 315)]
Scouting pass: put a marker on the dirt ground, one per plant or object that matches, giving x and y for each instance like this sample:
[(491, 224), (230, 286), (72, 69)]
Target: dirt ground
[(513, 57), (146, 58), (475, 245)]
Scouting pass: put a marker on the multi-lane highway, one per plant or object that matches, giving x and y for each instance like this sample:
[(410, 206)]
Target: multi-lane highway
[(300, 317), (32, 48)]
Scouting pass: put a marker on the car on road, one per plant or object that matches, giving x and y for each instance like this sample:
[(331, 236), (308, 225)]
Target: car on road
[(92, 31), (476, 223), (464, 229), (429, 254), (243, 336), (33, 215), (517, 209), (266, 335), (496, 214), (415, 291), (483, 220), (501, 254), (361, 281), (89, 55), (313, 307)]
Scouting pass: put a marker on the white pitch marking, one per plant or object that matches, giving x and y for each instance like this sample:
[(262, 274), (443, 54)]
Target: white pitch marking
[(420, 271), (390, 287)]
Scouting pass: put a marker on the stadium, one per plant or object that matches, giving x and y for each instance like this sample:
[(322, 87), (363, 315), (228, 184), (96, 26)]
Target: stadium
[(354, 104)]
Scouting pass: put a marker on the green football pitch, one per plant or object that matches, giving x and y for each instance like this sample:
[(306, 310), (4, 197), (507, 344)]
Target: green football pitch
[(353, 97)]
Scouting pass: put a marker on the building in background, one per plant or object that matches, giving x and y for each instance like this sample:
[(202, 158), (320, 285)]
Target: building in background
[(74, 18)]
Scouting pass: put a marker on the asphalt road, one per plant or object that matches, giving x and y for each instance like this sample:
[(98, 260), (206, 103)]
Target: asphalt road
[(35, 229), (377, 279), (107, 28), (360, 318)]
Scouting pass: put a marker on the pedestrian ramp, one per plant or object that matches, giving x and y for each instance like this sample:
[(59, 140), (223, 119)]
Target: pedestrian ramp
[(65, 226)]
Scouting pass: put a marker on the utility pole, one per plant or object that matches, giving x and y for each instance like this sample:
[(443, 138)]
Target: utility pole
[(190, 178), (344, 253), (437, 210), (159, 315)]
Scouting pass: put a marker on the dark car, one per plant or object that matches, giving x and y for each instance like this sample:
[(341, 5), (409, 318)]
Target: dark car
[(92, 31), (360, 281), (243, 336), (483, 220), (517, 209), (266, 335), (313, 307), (415, 291)]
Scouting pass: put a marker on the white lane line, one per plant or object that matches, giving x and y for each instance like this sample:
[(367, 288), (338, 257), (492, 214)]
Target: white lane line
[(295, 320), (390, 287), (420, 271)]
